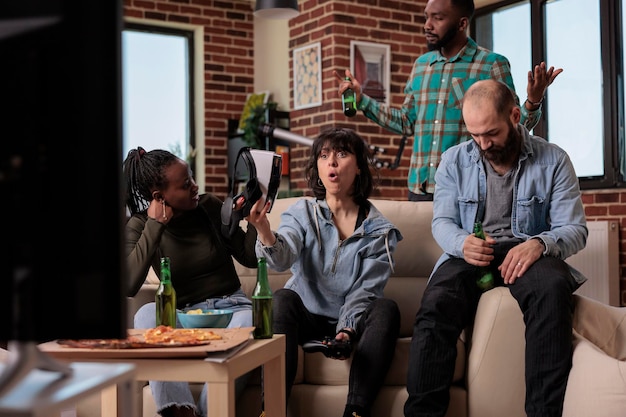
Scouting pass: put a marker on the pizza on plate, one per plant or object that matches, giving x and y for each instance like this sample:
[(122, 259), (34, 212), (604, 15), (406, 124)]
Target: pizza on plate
[(160, 336)]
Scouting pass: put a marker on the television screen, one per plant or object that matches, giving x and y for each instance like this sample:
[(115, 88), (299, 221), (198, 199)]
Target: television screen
[(62, 262)]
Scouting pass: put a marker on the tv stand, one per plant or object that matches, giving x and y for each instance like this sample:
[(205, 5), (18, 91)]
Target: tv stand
[(23, 357)]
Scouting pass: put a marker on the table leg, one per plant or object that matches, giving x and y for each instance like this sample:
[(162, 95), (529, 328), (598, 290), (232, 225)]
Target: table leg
[(221, 399), (109, 399), (118, 400), (274, 387), (127, 399)]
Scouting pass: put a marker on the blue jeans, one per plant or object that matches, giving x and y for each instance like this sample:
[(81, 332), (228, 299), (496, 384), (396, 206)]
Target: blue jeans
[(377, 332), (169, 393), (544, 294)]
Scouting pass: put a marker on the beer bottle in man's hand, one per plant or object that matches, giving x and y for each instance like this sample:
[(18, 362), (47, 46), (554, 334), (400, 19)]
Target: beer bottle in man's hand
[(348, 100), (485, 280)]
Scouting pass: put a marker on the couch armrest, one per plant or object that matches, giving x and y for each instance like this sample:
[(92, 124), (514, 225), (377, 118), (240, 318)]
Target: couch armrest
[(597, 382), (601, 324)]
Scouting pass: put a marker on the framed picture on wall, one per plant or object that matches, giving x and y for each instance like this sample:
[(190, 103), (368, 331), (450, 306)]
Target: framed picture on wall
[(307, 76), (370, 64)]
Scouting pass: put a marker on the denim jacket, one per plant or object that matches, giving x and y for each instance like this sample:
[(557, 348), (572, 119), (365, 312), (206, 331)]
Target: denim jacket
[(334, 278), (546, 199)]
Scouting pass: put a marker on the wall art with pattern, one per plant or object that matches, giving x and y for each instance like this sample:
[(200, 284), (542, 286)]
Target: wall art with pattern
[(307, 76)]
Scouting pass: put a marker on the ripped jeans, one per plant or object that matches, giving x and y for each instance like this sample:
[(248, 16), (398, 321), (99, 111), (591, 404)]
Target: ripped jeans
[(169, 393)]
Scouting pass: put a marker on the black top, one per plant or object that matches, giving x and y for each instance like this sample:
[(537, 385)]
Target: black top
[(201, 262)]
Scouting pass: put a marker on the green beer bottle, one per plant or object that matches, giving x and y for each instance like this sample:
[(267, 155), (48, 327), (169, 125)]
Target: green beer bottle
[(348, 100), (262, 303), (165, 297), (485, 280)]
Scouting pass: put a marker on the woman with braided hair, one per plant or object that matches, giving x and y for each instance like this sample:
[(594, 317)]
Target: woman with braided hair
[(169, 218)]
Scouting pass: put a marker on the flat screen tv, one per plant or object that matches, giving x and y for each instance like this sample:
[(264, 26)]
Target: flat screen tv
[(61, 192)]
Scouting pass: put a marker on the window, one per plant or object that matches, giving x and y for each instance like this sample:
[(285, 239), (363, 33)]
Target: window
[(507, 32), (573, 43), (158, 90), (583, 110)]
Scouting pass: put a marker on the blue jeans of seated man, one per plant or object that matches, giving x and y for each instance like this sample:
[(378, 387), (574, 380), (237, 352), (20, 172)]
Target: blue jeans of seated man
[(168, 393), (544, 294), (377, 332)]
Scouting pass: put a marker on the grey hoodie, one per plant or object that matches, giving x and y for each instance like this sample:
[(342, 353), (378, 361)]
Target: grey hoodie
[(334, 278)]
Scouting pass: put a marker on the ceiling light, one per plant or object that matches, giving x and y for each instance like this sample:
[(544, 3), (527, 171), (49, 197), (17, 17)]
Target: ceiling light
[(276, 9)]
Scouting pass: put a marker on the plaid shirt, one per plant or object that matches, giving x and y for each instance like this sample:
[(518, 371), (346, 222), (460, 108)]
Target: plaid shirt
[(431, 111)]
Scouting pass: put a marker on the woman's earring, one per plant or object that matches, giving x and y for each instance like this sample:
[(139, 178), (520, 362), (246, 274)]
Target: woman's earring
[(319, 182), (164, 215)]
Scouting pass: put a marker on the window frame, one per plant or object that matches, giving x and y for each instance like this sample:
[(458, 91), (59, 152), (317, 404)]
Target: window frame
[(194, 36), (611, 52)]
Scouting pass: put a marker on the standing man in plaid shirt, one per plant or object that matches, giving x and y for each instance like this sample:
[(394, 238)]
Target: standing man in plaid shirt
[(431, 111)]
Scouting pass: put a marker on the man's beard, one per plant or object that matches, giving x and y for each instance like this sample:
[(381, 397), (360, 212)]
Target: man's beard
[(506, 153), (443, 41)]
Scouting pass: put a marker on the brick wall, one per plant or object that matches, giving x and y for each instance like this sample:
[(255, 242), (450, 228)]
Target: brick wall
[(229, 77), (228, 69), (334, 24)]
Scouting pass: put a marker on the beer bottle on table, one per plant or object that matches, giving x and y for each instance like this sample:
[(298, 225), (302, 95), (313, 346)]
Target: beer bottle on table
[(262, 303), (348, 100), (165, 298), (485, 280)]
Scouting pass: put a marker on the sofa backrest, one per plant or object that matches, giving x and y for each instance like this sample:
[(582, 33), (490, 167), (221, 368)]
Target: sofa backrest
[(414, 257), (417, 253)]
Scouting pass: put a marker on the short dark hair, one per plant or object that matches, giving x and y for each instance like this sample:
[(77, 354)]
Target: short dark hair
[(466, 7), (346, 140)]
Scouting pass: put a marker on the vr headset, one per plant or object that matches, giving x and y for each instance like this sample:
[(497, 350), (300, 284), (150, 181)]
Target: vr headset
[(264, 173)]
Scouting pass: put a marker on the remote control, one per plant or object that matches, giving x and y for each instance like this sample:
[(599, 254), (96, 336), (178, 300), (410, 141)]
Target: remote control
[(330, 347)]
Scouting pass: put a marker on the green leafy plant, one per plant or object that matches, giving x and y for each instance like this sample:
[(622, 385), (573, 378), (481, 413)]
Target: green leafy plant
[(256, 117)]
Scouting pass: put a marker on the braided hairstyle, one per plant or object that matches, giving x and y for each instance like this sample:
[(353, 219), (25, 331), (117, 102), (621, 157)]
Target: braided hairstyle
[(144, 172)]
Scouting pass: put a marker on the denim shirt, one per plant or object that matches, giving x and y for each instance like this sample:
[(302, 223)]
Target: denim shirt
[(546, 199), (334, 278)]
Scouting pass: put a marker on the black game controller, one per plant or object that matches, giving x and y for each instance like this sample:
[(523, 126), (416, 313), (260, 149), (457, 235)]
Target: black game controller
[(330, 347)]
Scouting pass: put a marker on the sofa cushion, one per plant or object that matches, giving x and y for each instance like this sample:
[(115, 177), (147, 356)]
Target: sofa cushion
[(407, 292), (310, 400), (418, 252), (319, 370)]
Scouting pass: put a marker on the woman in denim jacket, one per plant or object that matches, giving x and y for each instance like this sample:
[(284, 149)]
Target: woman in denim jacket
[(339, 248)]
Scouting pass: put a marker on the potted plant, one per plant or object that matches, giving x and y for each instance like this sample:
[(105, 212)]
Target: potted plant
[(258, 115)]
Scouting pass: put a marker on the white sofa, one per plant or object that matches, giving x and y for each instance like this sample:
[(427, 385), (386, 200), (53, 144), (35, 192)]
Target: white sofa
[(489, 374)]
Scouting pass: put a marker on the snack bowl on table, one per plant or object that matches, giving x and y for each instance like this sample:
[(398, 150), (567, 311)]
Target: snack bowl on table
[(203, 318)]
